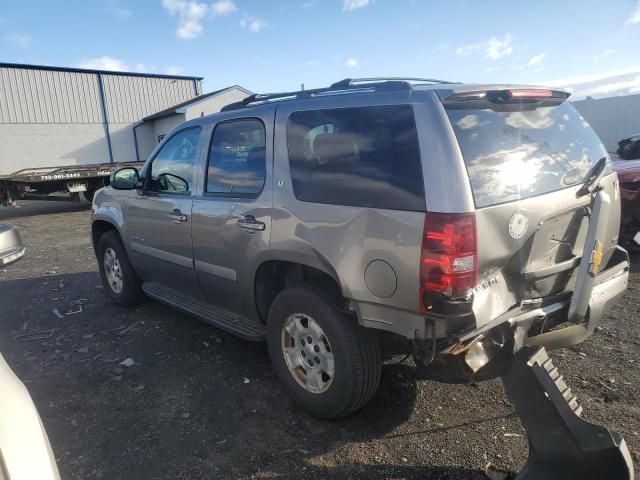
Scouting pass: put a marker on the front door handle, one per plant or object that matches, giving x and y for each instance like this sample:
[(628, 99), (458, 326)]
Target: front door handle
[(250, 223), (177, 216)]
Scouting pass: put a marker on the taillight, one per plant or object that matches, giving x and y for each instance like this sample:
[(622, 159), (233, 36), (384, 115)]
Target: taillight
[(449, 255)]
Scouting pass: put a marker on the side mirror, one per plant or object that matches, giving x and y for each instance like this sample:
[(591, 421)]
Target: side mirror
[(11, 247), (125, 179)]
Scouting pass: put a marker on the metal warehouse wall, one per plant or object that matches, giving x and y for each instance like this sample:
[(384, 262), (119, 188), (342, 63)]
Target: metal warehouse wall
[(40, 96), (55, 117), (131, 98), (612, 118)]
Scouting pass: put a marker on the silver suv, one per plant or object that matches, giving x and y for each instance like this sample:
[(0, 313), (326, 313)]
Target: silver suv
[(469, 219)]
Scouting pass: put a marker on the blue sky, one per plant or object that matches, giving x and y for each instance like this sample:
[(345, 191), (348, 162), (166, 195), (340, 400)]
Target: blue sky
[(588, 46)]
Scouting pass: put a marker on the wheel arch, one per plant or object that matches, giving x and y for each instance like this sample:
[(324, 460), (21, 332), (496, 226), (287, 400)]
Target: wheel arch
[(275, 275), (98, 228)]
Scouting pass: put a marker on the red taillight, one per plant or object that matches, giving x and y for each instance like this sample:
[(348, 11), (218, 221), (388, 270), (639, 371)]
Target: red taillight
[(449, 254), (529, 93)]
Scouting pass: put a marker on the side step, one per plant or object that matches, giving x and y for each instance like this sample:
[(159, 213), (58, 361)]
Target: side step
[(235, 324), (562, 445)]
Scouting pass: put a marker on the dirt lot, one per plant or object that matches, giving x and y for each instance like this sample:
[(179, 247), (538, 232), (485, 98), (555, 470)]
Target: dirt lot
[(198, 403)]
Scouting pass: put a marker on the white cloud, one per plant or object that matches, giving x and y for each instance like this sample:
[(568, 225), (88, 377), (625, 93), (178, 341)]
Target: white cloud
[(603, 54), (352, 62), (117, 65), (104, 63), (114, 8), (492, 69), (311, 63), (350, 5), (190, 14), (223, 7), (174, 70), (603, 84), (492, 49), (635, 15), (537, 59), (121, 12), (254, 24), (309, 4), (592, 77), (18, 39)]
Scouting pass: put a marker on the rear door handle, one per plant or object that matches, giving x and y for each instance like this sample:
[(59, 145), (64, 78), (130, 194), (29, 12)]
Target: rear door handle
[(250, 223), (177, 216)]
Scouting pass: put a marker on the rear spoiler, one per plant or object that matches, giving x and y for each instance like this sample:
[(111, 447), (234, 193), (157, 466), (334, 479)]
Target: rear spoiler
[(507, 99)]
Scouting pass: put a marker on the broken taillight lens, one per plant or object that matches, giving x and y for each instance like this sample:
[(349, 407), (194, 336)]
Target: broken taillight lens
[(449, 255)]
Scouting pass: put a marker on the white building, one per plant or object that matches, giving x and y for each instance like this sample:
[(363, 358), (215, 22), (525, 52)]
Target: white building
[(613, 118), (52, 116)]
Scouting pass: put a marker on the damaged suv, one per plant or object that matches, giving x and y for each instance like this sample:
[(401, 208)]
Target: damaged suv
[(469, 219)]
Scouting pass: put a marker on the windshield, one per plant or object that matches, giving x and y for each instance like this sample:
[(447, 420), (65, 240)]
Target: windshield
[(515, 155)]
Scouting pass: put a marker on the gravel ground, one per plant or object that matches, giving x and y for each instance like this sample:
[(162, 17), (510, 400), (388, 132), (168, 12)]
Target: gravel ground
[(198, 403)]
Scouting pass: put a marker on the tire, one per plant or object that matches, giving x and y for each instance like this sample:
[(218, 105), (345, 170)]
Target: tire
[(355, 351), (130, 291)]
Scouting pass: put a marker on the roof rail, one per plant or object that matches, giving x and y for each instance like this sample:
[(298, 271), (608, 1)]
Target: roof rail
[(348, 85), (348, 82)]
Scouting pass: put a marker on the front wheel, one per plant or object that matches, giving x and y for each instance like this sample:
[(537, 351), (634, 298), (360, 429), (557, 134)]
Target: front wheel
[(328, 364)]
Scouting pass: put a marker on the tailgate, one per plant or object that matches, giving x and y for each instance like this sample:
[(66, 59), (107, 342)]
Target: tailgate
[(527, 165), (544, 261)]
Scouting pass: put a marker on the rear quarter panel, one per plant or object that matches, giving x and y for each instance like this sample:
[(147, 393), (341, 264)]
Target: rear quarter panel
[(344, 240)]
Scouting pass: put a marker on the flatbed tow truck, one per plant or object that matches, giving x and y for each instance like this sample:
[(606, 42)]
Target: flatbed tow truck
[(81, 181)]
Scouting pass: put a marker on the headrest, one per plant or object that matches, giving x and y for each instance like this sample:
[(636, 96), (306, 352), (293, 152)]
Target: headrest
[(331, 146)]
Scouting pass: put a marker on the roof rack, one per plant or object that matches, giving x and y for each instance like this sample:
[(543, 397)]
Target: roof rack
[(348, 82), (348, 85)]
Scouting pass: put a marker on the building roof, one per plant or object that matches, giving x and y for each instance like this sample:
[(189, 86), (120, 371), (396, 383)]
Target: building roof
[(173, 110), (87, 70)]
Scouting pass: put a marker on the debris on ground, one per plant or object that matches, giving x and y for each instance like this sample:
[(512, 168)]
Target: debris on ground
[(127, 362), (130, 327)]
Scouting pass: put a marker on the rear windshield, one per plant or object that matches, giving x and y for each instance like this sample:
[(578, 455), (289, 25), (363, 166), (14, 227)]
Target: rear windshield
[(358, 156), (520, 154)]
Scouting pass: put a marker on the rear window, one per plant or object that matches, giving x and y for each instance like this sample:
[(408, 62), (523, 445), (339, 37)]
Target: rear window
[(361, 156), (520, 154)]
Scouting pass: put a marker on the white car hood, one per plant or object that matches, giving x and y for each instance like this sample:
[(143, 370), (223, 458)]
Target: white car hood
[(24, 446)]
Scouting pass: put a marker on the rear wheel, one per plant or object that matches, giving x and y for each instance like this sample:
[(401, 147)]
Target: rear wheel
[(118, 276), (327, 363)]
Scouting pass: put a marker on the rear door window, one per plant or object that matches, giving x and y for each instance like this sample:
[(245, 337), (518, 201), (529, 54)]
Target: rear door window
[(512, 155), (358, 156)]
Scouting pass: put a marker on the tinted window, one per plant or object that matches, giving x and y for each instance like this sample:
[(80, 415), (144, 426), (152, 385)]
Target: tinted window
[(237, 160), (516, 155), (173, 167), (363, 156)]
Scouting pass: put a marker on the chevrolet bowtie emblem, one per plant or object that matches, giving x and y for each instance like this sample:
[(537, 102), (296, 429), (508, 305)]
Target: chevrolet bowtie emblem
[(596, 258)]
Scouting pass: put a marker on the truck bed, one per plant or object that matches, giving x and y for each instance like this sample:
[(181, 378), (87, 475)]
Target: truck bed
[(71, 172)]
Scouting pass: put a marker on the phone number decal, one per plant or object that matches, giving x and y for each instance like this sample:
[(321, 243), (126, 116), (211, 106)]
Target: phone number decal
[(67, 176)]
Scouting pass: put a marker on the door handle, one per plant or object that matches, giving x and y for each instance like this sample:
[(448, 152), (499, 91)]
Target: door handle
[(177, 216), (250, 223)]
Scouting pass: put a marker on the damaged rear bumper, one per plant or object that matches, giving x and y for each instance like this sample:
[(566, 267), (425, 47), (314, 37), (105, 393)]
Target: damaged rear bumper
[(550, 325), (608, 287)]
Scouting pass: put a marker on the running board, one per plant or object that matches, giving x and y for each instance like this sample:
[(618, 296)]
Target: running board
[(561, 444), (235, 324)]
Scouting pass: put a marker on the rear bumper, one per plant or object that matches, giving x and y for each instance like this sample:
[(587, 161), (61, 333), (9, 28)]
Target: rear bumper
[(610, 285)]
